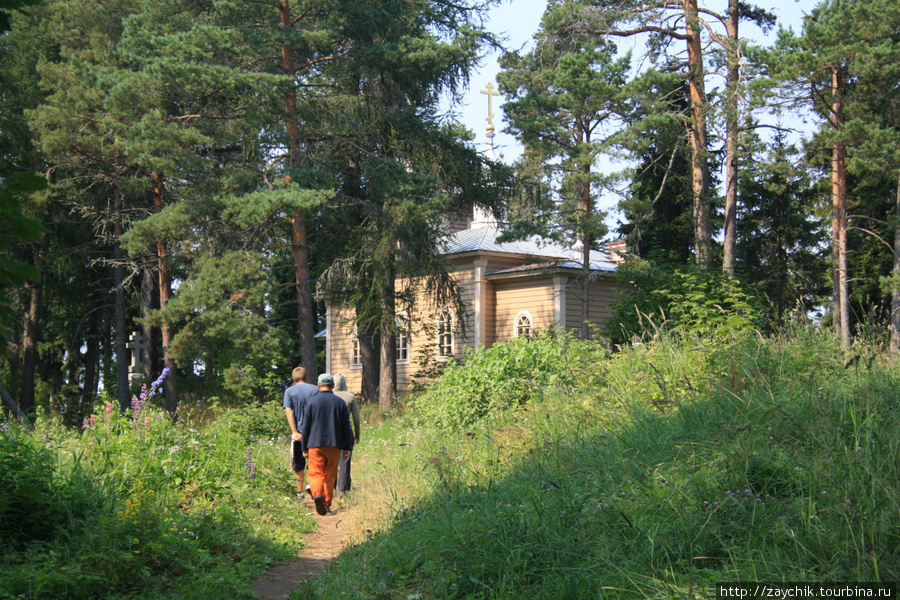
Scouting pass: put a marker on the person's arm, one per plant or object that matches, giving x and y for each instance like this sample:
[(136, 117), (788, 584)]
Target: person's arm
[(346, 430), (354, 411), (295, 435), (304, 434)]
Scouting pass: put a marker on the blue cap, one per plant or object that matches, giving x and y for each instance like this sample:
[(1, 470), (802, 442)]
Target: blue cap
[(326, 378)]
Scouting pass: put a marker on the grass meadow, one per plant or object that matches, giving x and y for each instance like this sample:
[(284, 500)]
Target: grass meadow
[(549, 468), (651, 473)]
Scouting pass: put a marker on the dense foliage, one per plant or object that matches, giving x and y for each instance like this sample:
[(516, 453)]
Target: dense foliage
[(487, 385), (663, 298)]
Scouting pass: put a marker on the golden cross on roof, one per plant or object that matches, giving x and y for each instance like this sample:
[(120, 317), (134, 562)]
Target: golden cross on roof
[(490, 118)]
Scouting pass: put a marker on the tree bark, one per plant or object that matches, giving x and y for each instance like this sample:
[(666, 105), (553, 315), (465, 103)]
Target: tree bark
[(387, 340), (165, 293), (15, 409), (841, 302), (368, 356), (31, 335), (149, 301), (698, 137), (731, 134), (305, 318), (124, 391), (14, 360), (895, 293), (586, 243), (92, 357)]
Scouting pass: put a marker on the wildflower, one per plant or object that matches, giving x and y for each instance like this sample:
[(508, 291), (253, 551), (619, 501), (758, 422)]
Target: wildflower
[(251, 467), (154, 387)]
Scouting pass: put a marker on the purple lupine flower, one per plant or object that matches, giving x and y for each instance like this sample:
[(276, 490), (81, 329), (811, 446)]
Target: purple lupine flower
[(155, 386), (251, 467)]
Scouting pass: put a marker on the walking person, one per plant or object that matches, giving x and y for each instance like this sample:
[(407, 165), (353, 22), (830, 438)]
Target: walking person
[(326, 436), (295, 398), (340, 390)]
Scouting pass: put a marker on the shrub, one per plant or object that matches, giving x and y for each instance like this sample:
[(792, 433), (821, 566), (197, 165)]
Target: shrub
[(489, 382), (704, 303)]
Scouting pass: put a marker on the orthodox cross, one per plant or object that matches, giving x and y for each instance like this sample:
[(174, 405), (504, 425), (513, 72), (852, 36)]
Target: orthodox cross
[(490, 118), (139, 347)]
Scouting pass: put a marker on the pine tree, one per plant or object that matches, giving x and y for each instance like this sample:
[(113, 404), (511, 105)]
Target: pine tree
[(846, 75), (568, 99)]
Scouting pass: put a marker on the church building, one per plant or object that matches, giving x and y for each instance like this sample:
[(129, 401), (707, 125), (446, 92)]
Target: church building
[(508, 289)]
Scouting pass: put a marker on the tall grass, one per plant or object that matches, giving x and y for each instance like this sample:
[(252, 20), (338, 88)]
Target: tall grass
[(135, 507), (678, 465)]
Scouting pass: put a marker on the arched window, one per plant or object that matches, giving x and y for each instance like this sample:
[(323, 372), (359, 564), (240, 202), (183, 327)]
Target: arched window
[(524, 325), (445, 333), (355, 352), (402, 338)]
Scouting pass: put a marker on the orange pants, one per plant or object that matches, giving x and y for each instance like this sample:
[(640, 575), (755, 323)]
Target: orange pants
[(321, 471)]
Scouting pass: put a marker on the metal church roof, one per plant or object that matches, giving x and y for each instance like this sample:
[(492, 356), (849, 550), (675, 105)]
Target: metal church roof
[(544, 254)]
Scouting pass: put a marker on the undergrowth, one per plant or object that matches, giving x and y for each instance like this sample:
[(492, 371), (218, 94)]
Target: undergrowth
[(132, 506), (671, 467)]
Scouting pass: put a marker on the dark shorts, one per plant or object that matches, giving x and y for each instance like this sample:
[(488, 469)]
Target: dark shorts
[(298, 463)]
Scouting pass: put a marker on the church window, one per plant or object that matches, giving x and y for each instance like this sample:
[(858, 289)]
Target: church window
[(445, 333), (524, 326)]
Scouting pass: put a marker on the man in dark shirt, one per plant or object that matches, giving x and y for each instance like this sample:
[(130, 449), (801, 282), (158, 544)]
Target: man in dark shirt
[(294, 404), (325, 437)]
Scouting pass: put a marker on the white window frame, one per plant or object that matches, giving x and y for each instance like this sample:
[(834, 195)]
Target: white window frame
[(517, 329), (402, 322), (444, 328), (355, 350)]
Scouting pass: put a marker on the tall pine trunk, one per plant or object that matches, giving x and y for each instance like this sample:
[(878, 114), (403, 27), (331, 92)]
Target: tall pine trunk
[(124, 391), (149, 301), (841, 299), (31, 334), (731, 135), (586, 243), (698, 137), (92, 357), (895, 294), (387, 340), (368, 356), (305, 318), (165, 293)]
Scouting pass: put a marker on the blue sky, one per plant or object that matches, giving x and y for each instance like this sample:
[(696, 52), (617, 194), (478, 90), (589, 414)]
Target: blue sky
[(518, 20)]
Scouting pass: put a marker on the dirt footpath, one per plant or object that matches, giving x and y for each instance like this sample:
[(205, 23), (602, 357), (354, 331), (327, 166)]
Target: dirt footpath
[(321, 546)]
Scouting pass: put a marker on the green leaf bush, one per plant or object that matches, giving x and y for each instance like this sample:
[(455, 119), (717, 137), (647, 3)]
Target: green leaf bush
[(487, 384), (701, 303)]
